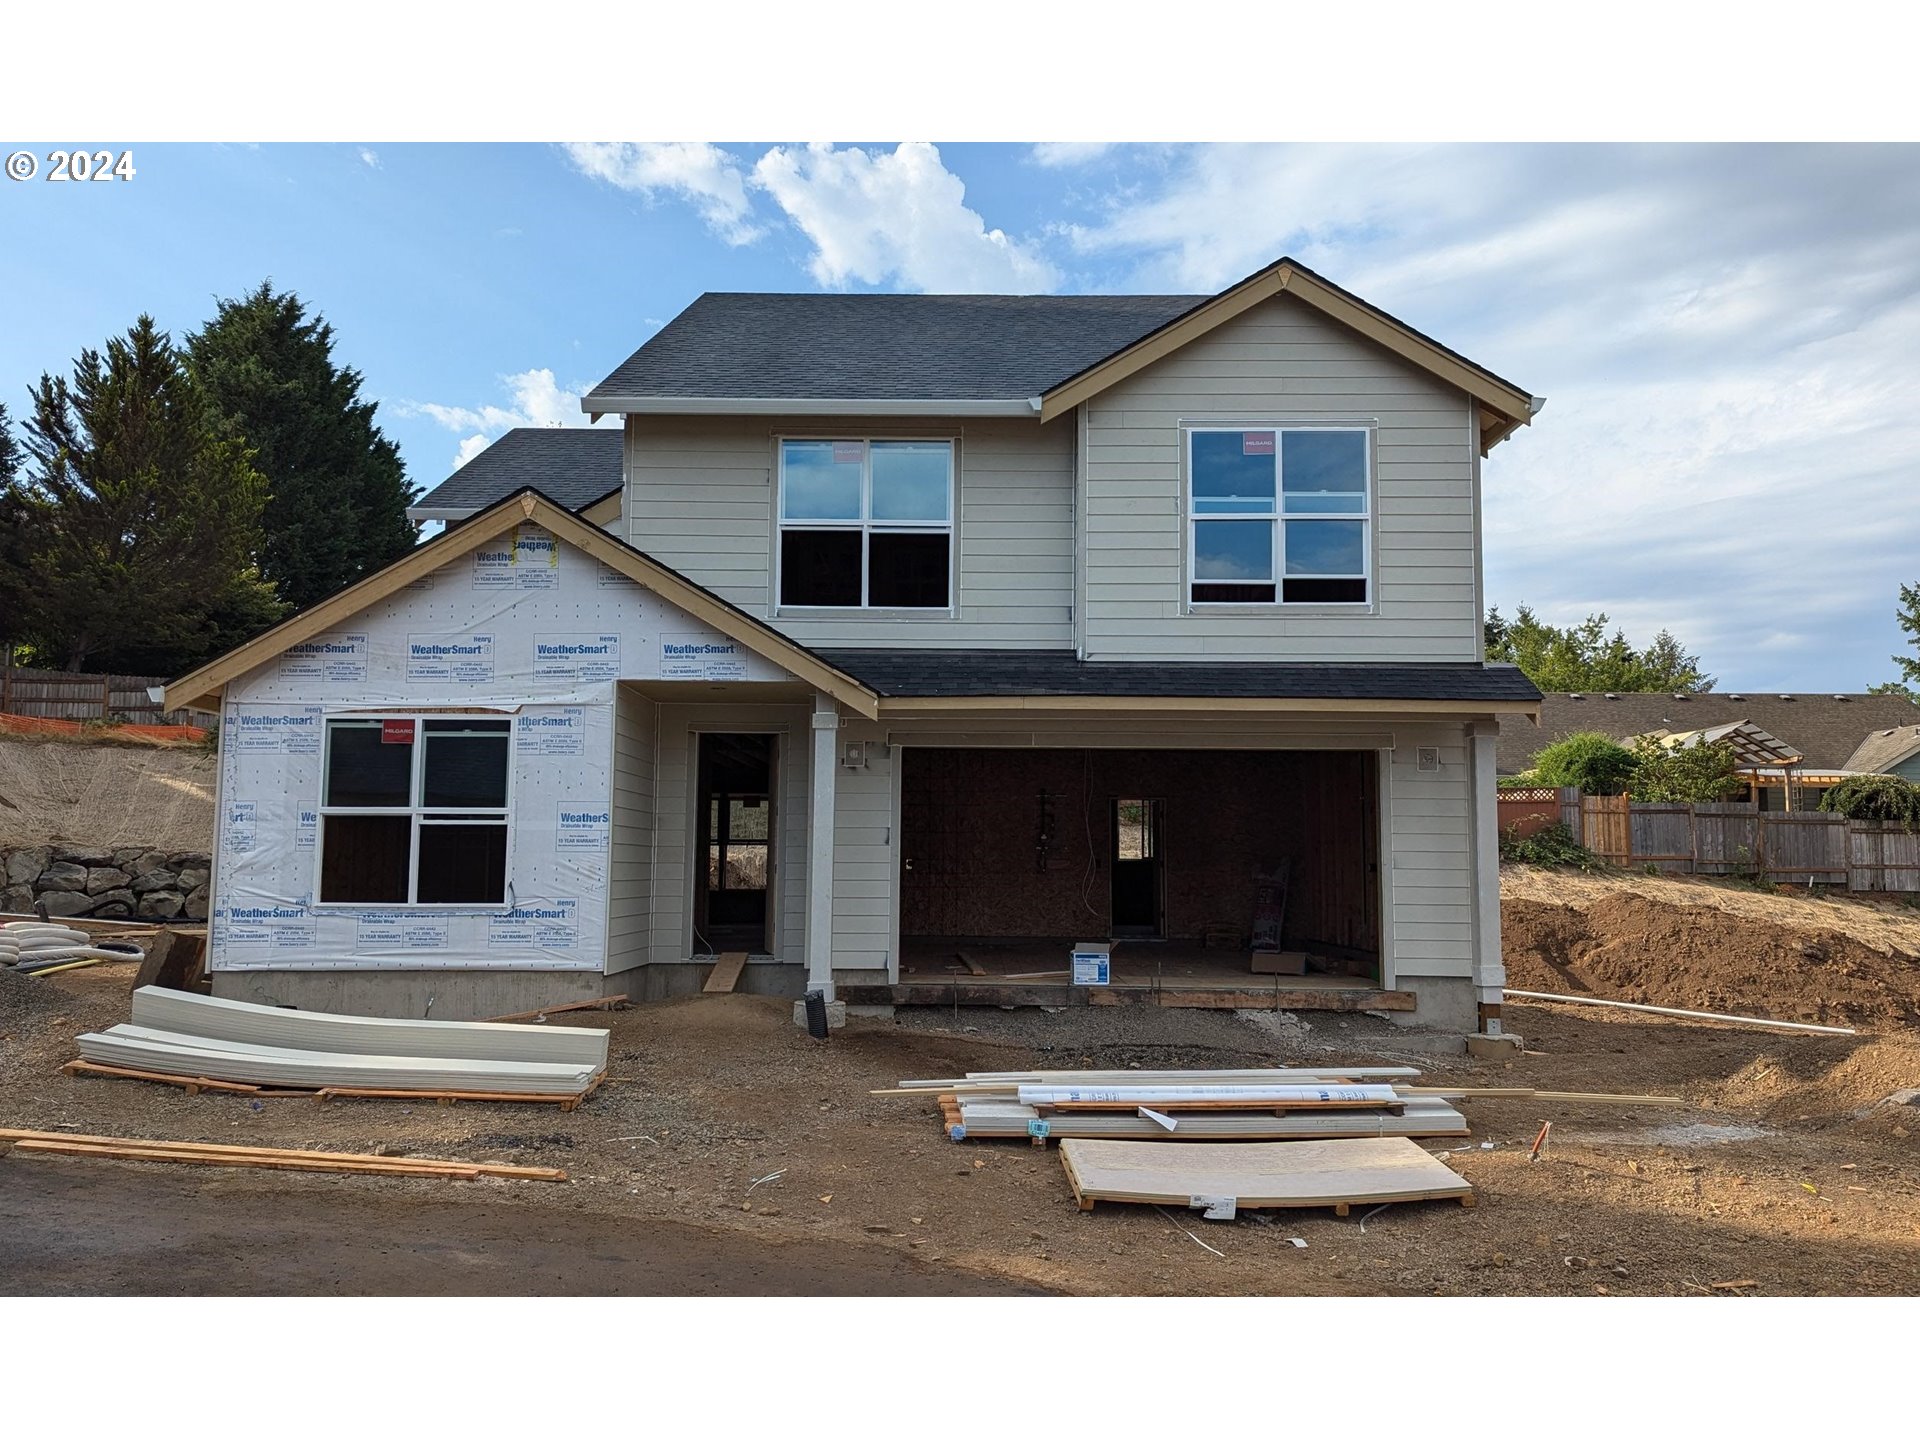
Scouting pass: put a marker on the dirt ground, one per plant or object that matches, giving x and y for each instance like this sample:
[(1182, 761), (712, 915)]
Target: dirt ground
[(1785, 1168)]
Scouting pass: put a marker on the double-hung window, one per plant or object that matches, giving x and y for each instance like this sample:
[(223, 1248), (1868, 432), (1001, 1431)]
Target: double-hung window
[(413, 811), (866, 523), (1279, 516)]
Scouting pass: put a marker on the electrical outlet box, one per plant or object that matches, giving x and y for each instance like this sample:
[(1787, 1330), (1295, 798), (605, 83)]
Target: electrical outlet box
[(1427, 758)]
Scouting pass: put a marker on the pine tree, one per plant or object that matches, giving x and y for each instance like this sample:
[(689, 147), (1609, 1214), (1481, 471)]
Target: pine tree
[(1585, 658), (1908, 617), (140, 517), (337, 488)]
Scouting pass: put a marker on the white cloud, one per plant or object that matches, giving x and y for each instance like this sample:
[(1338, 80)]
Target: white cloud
[(707, 177), (895, 216), (1724, 334), (1063, 154), (370, 159), (537, 400)]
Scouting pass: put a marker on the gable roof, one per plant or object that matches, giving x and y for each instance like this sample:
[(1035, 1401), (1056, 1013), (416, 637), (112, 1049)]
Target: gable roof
[(1884, 749), (1826, 729), (894, 350), (197, 688), (978, 354), (1753, 748), (576, 468)]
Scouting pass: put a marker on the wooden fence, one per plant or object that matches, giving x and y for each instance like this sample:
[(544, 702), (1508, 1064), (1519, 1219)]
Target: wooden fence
[(64, 695), (1526, 813), (1734, 838)]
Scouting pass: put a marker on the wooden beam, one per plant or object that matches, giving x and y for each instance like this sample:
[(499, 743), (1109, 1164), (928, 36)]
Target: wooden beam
[(725, 973)]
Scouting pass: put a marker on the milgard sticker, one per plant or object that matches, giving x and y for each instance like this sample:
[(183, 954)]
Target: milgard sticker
[(548, 733), (549, 925), (576, 657), (327, 657), (464, 659), (694, 657)]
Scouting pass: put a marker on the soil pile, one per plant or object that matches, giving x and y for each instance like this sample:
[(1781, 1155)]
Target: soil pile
[(1696, 957)]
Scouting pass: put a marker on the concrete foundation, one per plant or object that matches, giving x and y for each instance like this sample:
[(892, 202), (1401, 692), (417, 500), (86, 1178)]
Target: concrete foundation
[(836, 1014), (668, 982), (415, 994), (1495, 1047), (1446, 1003)]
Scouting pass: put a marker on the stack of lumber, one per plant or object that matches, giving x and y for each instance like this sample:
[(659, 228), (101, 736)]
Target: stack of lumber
[(194, 1152), (180, 1034), (1268, 1104), (1337, 1102)]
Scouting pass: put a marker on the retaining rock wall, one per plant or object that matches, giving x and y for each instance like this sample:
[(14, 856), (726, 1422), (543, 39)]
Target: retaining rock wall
[(129, 882)]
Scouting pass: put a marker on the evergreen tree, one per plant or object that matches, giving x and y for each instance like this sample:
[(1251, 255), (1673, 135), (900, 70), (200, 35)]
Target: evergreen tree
[(337, 491), (14, 514), (1908, 617), (1584, 658), (139, 517)]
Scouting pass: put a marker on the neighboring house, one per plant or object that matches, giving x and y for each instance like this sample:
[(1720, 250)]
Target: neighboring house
[(927, 625), (1826, 730), (1894, 751)]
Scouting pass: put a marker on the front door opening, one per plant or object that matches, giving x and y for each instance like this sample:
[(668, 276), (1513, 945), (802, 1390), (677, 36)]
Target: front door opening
[(734, 816), (1136, 867)]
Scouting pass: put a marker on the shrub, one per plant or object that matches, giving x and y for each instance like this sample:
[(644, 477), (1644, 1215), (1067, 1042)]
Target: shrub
[(1552, 846), (1875, 797), (1685, 775), (1597, 763)]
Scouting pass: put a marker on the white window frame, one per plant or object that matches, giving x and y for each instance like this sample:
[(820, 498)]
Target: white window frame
[(1279, 519), (866, 526), (502, 815)]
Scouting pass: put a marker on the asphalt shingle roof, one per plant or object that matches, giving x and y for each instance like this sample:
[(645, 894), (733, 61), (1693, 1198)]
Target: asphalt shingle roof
[(955, 673), (1884, 749), (573, 468), (884, 347), (1826, 729)]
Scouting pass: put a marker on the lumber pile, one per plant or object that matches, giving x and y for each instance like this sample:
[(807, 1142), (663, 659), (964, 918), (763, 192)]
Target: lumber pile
[(182, 1036), (193, 1152), (1273, 1104)]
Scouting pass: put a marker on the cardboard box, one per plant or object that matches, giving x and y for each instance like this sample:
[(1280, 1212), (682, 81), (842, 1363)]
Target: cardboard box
[(1091, 962), (1279, 962)]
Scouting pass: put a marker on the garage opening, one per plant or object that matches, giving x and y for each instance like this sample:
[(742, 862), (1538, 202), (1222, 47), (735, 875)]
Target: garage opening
[(1008, 856)]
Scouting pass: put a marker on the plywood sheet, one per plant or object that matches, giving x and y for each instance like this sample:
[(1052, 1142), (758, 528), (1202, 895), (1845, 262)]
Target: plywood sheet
[(1300, 1173), (726, 973)]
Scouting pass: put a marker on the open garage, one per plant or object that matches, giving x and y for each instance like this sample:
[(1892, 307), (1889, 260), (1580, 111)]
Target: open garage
[(1180, 857)]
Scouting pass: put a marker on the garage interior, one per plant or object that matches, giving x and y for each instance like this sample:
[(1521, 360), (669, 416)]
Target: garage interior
[(1010, 855)]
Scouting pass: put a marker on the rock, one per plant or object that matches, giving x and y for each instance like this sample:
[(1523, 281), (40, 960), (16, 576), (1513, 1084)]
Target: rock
[(189, 859), (1903, 1097), (63, 875), (197, 904), (24, 866), (84, 854), (16, 900), (156, 880), (66, 902), (102, 878), (146, 860), (193, 877), (125, 855), (161, 904)]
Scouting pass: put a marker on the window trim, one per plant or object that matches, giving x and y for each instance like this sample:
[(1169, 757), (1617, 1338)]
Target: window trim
[(502, 815), (865, 526), (1278, 520)]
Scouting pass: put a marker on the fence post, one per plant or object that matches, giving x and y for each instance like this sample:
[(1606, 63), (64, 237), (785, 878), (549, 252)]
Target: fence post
[(1570, 811)]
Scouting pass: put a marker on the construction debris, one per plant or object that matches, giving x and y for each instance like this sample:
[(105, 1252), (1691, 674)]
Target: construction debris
[(191, 1152), (1543, 997), (1220, 1180), (197, 1039), (34, 947)]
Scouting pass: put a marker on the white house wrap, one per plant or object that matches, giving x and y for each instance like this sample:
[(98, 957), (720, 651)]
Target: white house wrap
[(534, 632)]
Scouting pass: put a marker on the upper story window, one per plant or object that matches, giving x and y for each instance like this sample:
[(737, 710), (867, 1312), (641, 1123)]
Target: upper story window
[(413, 811), (866, 523), (1279, 516)]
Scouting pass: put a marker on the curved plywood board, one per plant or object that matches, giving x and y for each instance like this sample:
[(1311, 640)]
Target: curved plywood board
[(1283, 1174)]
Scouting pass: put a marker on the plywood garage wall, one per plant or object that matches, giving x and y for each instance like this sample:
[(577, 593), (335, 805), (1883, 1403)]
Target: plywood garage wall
[(972, 823)]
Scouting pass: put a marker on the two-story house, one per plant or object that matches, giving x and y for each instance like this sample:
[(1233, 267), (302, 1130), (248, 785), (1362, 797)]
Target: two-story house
[(901, 642)]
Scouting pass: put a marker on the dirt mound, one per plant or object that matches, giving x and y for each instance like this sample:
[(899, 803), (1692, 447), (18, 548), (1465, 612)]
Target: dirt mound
[(1627, 947), (1801, 1079)]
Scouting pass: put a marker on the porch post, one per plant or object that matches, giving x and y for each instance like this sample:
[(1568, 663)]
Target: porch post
[(1489, 969), (826, 764)]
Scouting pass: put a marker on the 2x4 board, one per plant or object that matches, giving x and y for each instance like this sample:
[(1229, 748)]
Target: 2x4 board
[(1291, 1174)]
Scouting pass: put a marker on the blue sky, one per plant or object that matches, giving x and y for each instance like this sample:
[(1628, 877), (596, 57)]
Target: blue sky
[(1724, 333)]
